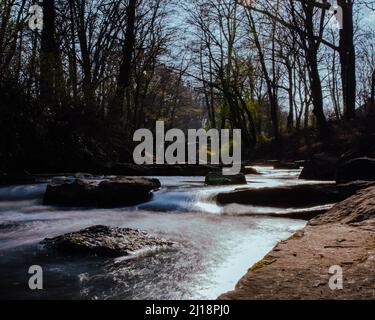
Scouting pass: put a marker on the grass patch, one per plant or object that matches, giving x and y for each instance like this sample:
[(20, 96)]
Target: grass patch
[(262, 263)]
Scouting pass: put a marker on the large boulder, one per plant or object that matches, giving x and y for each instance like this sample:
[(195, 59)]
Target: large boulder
[(365, 148), (356, 169), (355, 209), (116, 192), (320, 167), (76, 193), (126, 191), (218, 179), (105, 241)]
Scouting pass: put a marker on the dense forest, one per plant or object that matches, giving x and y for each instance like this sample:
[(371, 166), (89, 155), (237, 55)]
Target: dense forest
[(73, 93)]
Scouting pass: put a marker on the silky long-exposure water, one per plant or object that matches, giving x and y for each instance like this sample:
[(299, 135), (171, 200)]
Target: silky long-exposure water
[(215, 244)]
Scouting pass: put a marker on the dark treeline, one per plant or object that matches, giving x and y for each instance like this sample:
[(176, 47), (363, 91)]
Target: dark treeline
[(72, 94)]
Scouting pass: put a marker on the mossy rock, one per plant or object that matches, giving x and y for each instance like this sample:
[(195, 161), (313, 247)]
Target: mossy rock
[(218, 179), (262, 263)]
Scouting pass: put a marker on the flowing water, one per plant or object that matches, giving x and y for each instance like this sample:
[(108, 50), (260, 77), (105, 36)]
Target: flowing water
[(215, 244)]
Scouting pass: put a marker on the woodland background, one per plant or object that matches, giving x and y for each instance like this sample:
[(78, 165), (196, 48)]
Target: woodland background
[(72, 95)]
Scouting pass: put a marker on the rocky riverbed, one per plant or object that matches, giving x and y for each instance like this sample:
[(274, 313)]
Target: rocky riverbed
[(200, 233), (207, 238)]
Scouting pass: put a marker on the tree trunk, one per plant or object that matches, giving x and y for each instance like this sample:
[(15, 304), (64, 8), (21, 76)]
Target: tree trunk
[(290, 122), (51, 79), (316, 91), (347, 59), (372, 97), (312, 48), (124, 78), (274, 107), (88, 90)]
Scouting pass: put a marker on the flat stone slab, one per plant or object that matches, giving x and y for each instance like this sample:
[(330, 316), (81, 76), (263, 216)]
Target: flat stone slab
[(294, 196), (282, 197)]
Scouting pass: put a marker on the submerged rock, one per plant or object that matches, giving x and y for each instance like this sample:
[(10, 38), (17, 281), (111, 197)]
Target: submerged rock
[(356, 169), (108, 193), (320, 167), (218, 179), (105, 241)]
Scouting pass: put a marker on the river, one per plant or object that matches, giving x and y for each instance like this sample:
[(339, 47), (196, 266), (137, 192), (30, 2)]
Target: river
[(215, 245)]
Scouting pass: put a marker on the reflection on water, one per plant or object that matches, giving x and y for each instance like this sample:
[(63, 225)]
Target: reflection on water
[(216, 245)]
